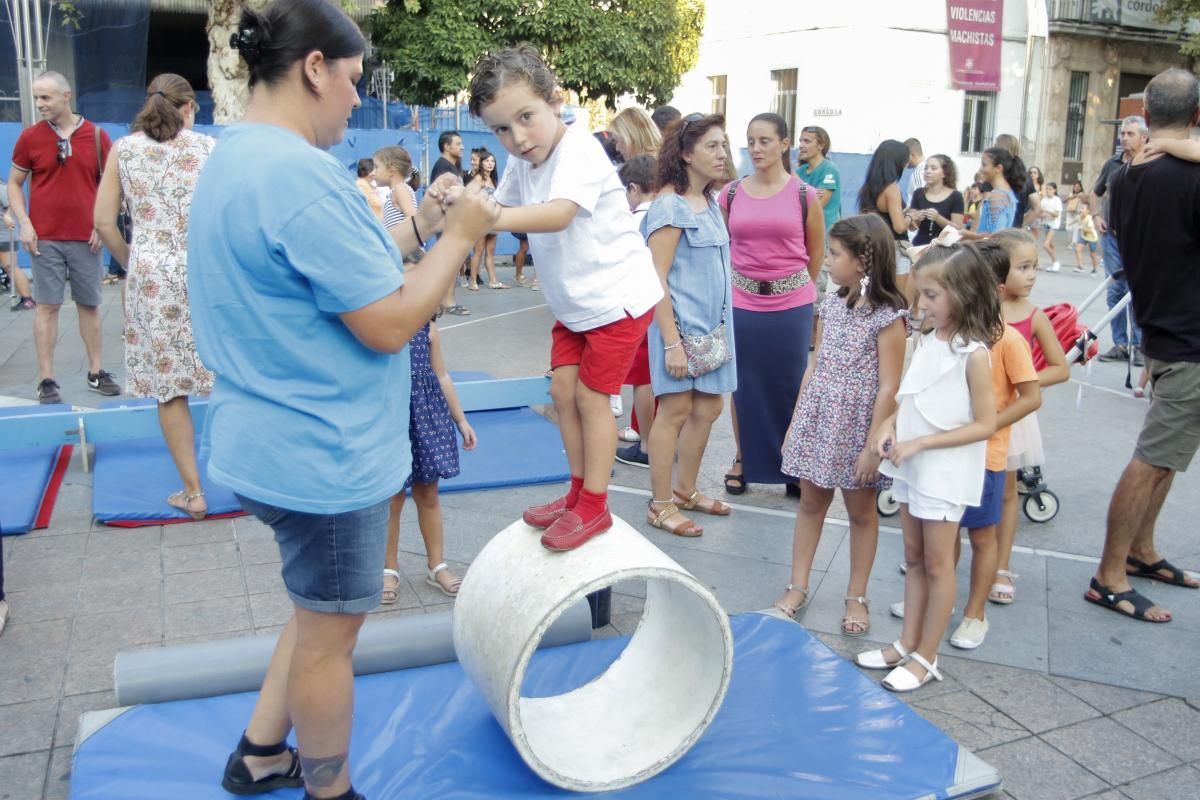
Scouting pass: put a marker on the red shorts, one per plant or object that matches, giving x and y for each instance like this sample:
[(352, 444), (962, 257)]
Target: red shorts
[(602, 354), (639, 371)]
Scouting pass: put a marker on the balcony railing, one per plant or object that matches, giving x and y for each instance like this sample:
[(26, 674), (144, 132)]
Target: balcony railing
[(1110, 14)]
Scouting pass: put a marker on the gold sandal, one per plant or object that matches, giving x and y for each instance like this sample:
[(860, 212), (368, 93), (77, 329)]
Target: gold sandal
[(182, 500), (659, 518), (691, 502), (792, 612), (849, 620)]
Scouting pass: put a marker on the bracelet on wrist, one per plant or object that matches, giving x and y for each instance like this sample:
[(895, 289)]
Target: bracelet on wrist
[(673, 346), (417, 233)]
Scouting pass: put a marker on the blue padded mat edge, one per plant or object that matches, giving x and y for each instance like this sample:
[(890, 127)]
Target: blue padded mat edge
[(799, 722), (517, 447), (24, 475)]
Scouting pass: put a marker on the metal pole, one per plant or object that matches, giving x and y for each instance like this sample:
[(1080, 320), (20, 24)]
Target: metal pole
[(27, 83)]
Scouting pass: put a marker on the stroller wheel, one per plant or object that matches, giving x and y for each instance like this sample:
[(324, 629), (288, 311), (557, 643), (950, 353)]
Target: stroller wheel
[(886, 503), (1041, 507)]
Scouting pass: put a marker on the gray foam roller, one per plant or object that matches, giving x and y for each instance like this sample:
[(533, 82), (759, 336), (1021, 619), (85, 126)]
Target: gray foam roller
[(227, 666)]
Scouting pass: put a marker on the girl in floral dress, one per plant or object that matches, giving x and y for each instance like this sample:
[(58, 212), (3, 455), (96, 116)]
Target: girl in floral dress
[(847, 391)]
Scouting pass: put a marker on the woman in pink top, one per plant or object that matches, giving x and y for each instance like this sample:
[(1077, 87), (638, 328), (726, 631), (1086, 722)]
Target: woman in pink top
[(775, 222)]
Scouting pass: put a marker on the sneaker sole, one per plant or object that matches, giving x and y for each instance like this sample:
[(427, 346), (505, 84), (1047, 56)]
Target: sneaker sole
[(634, 463), (963, 644), (98, 390)]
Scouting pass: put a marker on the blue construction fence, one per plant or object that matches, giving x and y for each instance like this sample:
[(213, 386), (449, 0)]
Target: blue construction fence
[(422, 145)]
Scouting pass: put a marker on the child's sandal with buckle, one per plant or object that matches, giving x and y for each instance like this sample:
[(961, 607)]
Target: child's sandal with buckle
[(791, 611), (431, 579), (902, 680), (875, 659), (240, 781), (849, 620), (691, 502)]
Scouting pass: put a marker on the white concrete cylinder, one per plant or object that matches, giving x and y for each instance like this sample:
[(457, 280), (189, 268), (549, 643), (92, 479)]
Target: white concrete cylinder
[(640, 715)]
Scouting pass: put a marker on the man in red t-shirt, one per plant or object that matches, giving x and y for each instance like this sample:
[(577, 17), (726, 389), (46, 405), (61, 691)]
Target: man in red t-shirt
[(64, 155)]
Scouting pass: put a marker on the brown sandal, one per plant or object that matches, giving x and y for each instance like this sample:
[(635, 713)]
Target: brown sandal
[(692, 503), (659, 518)]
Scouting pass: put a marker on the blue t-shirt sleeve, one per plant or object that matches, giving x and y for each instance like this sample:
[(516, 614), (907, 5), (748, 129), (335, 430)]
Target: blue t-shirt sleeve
[(670, 210), (338, 245)]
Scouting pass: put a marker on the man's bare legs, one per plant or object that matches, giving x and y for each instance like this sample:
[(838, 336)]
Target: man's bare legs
[(1132, 513)]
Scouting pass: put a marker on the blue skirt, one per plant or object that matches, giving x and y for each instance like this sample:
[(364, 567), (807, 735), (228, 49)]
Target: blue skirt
[(771, 354)]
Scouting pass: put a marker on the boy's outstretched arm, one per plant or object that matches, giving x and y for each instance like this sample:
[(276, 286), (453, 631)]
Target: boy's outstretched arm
[(548, 217)]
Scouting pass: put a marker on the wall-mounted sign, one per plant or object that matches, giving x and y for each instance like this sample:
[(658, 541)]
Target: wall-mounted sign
[(975, 28), (826, 111)]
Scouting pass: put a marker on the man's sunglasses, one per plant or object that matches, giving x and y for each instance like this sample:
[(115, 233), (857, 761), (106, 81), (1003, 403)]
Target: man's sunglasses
[(64, 150)]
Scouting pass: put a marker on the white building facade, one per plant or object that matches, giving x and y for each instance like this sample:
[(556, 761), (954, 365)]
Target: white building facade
[(865, 70)]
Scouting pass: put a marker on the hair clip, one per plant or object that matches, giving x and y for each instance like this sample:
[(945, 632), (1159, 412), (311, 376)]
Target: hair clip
[(246, 41)]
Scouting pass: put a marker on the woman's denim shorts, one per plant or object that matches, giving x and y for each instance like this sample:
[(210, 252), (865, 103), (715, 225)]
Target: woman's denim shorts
[(332, 563)]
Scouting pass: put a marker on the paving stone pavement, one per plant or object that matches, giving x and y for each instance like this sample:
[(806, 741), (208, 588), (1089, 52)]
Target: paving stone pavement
[(1066, 700)]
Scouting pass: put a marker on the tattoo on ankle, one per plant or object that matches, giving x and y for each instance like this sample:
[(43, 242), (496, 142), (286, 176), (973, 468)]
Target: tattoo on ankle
[(322, 772)]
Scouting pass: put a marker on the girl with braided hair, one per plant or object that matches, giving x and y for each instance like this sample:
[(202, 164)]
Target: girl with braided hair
[(847, 392)]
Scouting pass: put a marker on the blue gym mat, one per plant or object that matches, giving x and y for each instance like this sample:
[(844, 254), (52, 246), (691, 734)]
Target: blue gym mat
[(517, 446), (30, 478), (799, 722), (131, 480)]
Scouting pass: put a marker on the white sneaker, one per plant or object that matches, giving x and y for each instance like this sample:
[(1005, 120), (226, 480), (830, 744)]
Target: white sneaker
[(970, 633), (3, 614), (897, 609), (614, 402), (628, 435), (1079, 269), (1055, 267)]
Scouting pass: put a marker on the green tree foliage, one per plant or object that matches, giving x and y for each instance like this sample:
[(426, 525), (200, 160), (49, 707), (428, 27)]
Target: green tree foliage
[(598, 48), (1186, 13)]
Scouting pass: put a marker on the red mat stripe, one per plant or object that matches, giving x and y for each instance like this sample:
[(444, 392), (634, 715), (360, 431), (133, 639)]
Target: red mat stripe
[(46, 508), (141, 523)]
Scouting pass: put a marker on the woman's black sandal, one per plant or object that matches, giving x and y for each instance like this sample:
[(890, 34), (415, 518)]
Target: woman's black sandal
[(735, 484), (239, 780)]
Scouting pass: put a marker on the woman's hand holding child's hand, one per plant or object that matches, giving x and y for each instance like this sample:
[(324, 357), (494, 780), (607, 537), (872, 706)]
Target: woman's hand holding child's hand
[(471, 213)]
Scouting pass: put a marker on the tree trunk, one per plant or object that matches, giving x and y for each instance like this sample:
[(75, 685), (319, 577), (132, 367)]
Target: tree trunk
[(227, 73)]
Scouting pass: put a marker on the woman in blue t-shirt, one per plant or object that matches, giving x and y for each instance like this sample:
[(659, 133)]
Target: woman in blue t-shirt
[(311, 362), (1002, 171)]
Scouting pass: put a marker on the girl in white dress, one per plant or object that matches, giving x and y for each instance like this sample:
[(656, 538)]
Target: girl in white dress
[(934, 449)]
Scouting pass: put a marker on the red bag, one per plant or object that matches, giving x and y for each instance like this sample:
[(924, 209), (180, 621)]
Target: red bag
[(1064, 318)]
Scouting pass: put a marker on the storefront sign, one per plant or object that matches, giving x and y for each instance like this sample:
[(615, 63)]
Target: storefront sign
[(975, 28), (1131, 14)]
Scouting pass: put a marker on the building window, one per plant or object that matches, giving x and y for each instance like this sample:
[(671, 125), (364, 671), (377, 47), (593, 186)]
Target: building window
[(718, 84), (1076, 116), (978, 119), (784, 105)]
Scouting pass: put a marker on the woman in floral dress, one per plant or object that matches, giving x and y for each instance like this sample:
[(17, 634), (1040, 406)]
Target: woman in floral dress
[(155, 170)]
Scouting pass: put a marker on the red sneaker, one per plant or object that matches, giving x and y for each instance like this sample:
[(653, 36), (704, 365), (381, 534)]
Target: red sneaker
[(570, 531), (545, 515)]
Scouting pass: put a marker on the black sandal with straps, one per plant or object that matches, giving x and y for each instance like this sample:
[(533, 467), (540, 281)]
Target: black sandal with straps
[(735, 483), (239, 780)]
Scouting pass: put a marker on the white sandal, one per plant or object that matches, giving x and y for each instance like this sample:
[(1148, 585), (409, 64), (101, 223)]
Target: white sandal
[(901, 680), (874, 659), (1009, 589), (390, 596), (435, 583)]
